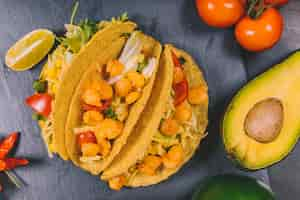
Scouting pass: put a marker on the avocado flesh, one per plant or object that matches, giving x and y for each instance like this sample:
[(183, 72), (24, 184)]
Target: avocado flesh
[(233, 187), (281, 82)]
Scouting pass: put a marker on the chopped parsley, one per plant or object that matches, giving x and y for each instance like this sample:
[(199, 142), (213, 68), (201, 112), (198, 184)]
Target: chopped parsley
[(182, 60), (37, 117), (142, 65), (122, 18), (39, 86), (110, 113)]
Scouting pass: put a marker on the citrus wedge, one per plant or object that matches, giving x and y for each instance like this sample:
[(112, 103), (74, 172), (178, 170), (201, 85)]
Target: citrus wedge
[(29, 50)]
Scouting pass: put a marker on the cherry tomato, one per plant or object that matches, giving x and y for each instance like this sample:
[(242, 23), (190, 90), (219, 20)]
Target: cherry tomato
[(181, 92), (276, 2), (105, 105), (261, 33), (220, 13), (86, 137), (40, 103)]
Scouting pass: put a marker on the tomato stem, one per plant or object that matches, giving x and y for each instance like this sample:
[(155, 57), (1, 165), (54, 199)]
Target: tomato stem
[(255, 8)]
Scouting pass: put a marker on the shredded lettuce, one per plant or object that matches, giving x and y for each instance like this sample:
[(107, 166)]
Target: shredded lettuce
[(129, 56), (149, 68), (165, 141), (90, 159)]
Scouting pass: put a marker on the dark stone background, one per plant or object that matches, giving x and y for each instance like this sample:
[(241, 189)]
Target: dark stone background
[(226, 66)]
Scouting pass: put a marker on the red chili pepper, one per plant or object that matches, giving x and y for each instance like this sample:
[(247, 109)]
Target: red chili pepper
[(105, 105), (7, 144), (181, 92), (11, 163), (176, 60)]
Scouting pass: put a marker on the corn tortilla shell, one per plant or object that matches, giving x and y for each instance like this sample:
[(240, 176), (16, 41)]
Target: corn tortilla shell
[(141, 137), (151, 46), (90, 52)]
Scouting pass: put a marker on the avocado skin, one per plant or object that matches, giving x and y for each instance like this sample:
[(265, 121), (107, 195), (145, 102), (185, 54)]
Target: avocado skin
[(233, 187)]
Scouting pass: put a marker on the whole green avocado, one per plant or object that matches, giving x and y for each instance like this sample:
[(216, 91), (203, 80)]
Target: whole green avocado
[(233, 187)]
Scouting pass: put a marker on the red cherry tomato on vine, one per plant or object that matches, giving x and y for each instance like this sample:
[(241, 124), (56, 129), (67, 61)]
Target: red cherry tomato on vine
[(276, 2), (220, 13), (261, 33)]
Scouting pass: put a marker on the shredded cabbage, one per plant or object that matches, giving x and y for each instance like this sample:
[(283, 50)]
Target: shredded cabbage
[(90, 159), (165, 141), (47, 134), (148, 70)]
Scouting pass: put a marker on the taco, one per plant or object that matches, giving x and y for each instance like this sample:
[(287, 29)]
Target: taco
[(170, 128), (63, 70), (109, 100)]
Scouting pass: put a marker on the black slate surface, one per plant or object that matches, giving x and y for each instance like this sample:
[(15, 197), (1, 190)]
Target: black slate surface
[(226, 66)]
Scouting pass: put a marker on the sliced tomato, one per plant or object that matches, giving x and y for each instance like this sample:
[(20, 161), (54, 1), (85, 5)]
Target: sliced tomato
[(40, 103), (86, 137), (181, 92), (176, 61), (105, 105)]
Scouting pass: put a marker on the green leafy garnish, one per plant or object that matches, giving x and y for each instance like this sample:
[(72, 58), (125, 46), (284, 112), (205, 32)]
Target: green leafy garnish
[(141, 65), (79, 34), (122, 18), (37, 117), (89, 28), (39, 86), (74, 11), (182, 60), (110, 113)]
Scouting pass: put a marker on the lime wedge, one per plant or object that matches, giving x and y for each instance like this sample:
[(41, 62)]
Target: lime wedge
[(29, 50)]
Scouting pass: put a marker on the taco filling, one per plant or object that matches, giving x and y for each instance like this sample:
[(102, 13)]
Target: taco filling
[(108, 97), (178, 127), (46, 87)]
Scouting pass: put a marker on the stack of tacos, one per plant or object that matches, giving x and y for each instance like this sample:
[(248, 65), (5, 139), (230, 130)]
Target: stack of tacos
[(123, 107)]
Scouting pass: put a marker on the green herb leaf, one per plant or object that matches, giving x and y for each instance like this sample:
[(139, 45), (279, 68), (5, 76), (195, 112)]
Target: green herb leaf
[(78, 35), (89, 28), (39, 86), (110, 113), (37, 117), (124, 17), (142, 65), (182, 60), (74, 11)]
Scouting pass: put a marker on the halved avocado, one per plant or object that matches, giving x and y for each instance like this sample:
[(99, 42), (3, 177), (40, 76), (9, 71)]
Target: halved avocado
[(233, 187), (262, 122)]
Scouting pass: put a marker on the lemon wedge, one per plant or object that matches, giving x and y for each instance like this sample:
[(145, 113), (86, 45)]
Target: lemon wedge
[(29, 50)]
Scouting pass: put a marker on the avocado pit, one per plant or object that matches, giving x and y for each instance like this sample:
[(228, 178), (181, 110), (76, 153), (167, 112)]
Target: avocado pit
[(264, 120)]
